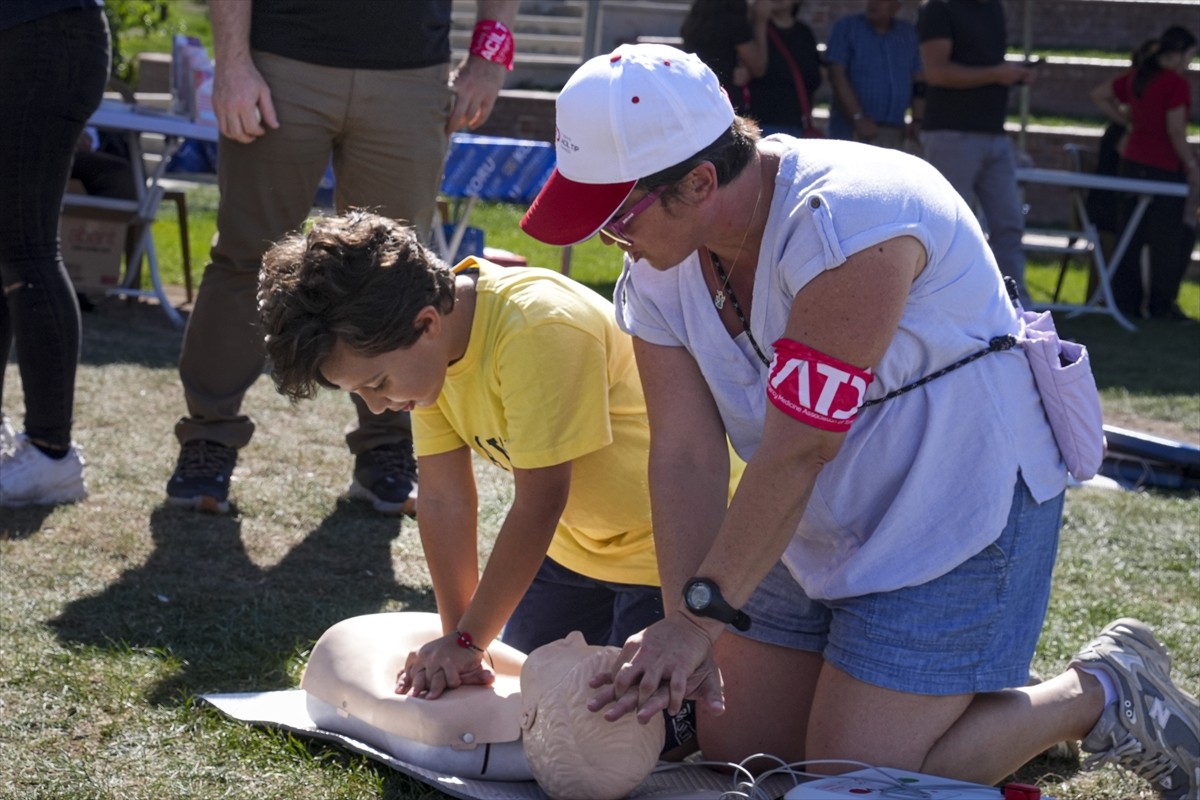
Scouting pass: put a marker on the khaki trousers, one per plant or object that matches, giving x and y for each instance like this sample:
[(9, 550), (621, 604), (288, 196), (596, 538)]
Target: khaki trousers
[(385, 133)]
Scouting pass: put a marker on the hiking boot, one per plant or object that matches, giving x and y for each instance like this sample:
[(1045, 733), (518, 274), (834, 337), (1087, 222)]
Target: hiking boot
[(202, 474), (1153, 729), (30, 477), (387, 478)]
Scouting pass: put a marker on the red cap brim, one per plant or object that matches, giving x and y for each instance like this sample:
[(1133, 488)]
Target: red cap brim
[(566, 212)]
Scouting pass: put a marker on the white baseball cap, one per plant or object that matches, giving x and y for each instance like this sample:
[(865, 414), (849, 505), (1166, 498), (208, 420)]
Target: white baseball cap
[(621, 117)]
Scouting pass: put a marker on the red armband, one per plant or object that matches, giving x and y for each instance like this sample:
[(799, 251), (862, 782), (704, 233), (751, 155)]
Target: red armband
[(493, 41), (814, 388)]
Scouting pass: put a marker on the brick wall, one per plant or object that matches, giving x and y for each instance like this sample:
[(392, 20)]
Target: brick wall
[(522, 114)]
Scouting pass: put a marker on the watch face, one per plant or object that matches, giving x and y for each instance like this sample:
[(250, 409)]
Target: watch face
[(699, 596)]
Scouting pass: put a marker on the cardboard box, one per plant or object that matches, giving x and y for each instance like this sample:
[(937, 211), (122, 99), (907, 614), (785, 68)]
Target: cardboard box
[(93, 244)]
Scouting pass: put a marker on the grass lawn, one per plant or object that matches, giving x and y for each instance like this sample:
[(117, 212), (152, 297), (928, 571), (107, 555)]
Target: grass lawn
[(119, 611)]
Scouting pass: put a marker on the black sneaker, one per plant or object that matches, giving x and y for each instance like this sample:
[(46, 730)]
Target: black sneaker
[(201, 479), (387, 478)]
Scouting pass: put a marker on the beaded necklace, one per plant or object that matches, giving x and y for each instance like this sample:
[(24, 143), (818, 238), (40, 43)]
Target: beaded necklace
[(737, 308)]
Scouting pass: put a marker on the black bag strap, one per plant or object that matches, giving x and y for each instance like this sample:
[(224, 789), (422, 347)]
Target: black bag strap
[(997, 343)]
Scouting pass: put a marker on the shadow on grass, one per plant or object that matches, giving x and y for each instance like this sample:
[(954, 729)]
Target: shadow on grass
[(23, 522), (1158, 358), (126, 331), (231, 624)]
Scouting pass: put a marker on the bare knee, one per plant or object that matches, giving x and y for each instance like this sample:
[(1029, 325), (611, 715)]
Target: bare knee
[(768, 693)]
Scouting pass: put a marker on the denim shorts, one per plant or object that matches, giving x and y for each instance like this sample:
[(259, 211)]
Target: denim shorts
[(973, 629)]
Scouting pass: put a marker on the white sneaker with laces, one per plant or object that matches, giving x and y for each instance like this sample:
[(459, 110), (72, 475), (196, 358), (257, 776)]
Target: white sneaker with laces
[(30, 477)]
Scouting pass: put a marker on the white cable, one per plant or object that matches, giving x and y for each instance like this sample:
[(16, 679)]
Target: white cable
[(753, 787)]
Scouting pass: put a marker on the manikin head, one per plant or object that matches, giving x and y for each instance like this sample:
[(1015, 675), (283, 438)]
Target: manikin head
[(576, 754)]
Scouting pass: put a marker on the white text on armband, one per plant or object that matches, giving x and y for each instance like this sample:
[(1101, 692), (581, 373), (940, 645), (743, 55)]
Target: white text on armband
[(815, 388)]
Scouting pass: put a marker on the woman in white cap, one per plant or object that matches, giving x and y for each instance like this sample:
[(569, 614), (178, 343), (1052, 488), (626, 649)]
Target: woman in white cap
[(881, 576)]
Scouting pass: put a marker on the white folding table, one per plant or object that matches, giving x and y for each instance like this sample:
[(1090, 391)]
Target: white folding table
[(132, 121), (1101, 300)]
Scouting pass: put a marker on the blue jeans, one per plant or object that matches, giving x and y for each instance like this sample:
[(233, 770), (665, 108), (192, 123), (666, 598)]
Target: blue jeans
[(54, 71), (973, 629), (560, 601), (981, 166)]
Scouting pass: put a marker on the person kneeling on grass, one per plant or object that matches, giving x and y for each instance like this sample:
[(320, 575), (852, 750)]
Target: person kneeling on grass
[(523, 366)]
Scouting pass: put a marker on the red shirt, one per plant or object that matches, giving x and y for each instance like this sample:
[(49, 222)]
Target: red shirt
[(1148, 142)]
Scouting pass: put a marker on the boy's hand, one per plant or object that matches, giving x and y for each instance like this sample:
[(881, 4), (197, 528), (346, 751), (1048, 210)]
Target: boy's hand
[(441, 665)]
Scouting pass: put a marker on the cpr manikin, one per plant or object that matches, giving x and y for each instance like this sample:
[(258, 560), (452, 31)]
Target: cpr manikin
[(573, 752), (532, 723), (472, 732)]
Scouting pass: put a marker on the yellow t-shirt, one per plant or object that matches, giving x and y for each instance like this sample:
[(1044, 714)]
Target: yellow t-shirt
[(547, 378)]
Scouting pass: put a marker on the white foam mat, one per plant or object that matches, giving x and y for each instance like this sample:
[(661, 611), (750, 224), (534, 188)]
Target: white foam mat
[(287, 709)]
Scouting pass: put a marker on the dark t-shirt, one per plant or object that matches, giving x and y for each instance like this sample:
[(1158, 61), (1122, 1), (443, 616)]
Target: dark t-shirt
[(354, 34), (18, 12), (978, 38), (773, 98), (714, 37)]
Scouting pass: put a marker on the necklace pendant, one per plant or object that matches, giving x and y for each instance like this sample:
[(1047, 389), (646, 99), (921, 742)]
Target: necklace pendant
[(719, 300)]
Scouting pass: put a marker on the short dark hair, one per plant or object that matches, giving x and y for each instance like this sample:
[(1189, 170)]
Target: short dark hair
[(729, 154), (358, 278)]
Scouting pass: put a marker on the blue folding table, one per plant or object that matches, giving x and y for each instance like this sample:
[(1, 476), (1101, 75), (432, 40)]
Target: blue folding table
[(490, 168)]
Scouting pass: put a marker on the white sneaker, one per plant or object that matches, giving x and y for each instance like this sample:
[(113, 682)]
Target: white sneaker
[(8, 435), (30, 477)]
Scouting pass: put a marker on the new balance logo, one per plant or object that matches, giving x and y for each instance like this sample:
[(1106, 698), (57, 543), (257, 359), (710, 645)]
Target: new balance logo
[(1160, 712)]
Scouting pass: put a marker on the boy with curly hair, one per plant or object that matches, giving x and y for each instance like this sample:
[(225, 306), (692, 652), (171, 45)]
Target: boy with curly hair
[(525, 368)]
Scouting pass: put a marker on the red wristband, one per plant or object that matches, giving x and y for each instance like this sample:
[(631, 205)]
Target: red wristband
[(493, 41), (466, 642)]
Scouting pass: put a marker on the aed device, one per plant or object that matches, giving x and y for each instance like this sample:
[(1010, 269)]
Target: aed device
[(885, 783)]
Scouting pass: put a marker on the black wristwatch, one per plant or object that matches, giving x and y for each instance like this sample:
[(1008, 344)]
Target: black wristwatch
[(703, 598)]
